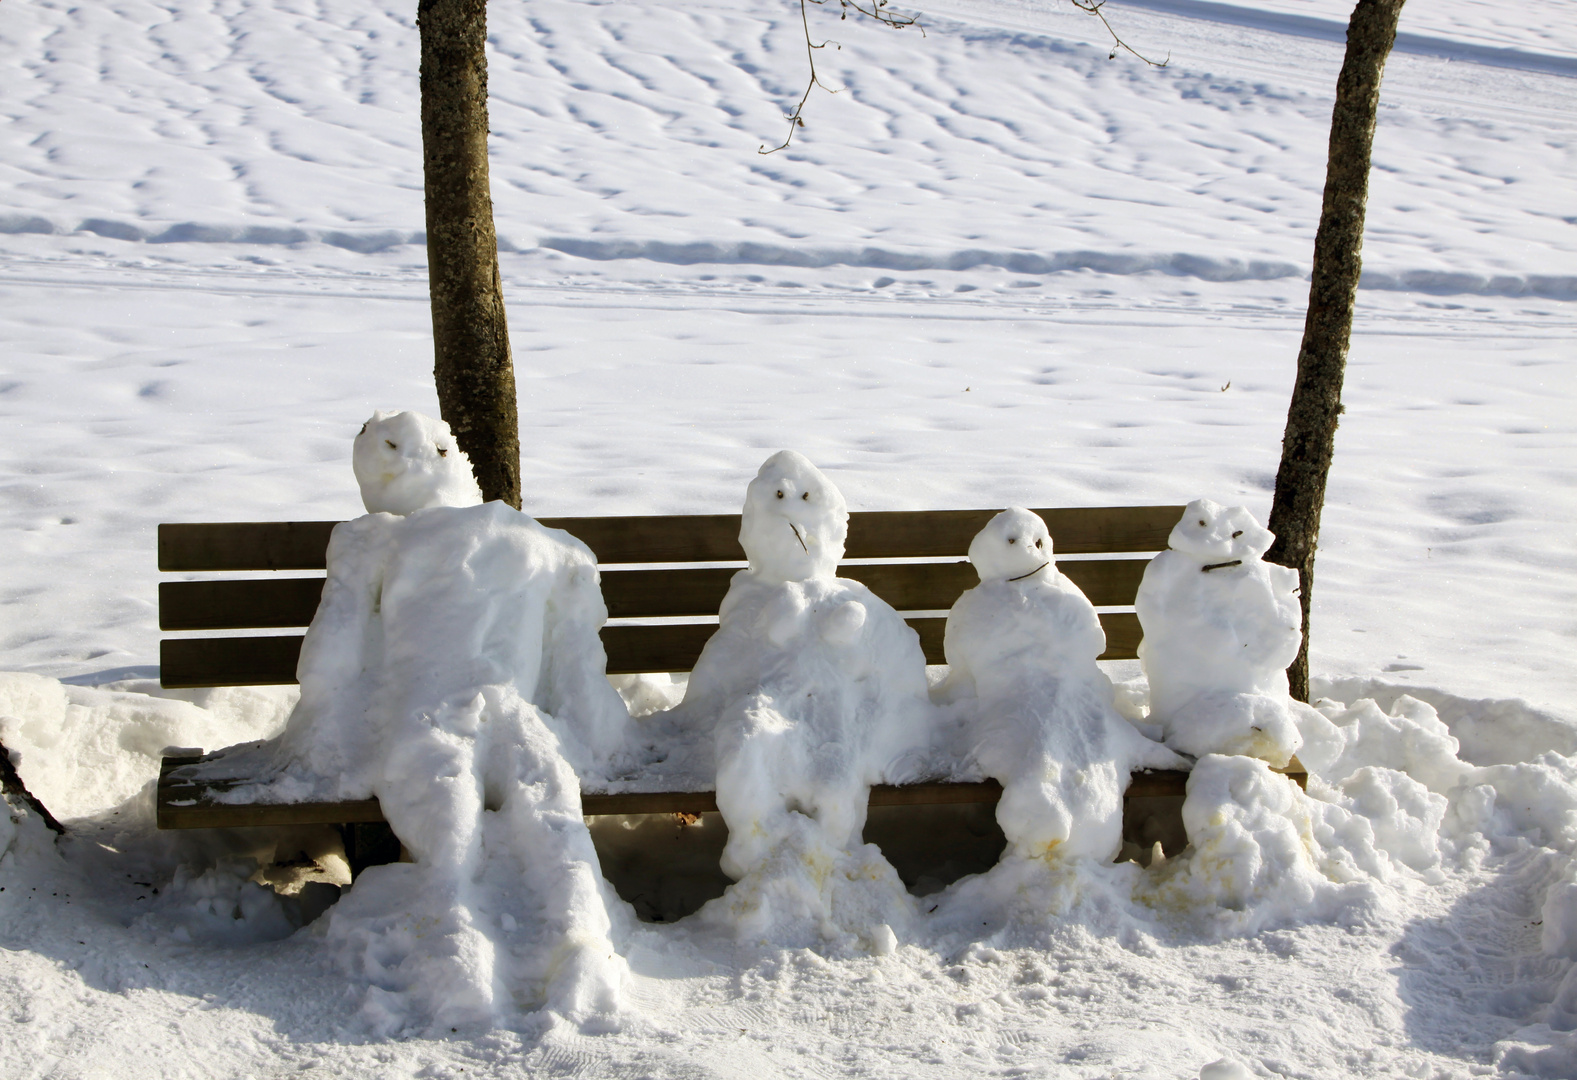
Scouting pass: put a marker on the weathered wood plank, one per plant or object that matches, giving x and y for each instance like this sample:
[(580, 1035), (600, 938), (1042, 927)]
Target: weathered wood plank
[(178, 814), (1123, 635), (634, 594), (638, 594), (244, 545), (301, 545), (238, 605), (872, 534), (237, 661), (187, 805), (1082, 530), (652, 538), (634, 649), (264, 661)]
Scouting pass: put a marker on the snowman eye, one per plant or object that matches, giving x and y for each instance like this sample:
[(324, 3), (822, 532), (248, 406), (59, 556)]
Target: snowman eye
[(390, 445), (1038, 543), (443, 451), (363, 430), (1201, 523), (806, 496), (1012, 539), (780, 494), (1237, 534)]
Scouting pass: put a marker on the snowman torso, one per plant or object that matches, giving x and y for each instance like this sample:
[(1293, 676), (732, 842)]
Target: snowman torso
[(1228, 629), (426, 608), (1002, 632)]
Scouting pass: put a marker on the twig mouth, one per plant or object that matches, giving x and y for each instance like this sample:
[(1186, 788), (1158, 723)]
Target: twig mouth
[(1220, 566), (795, 530), (1033, 572)]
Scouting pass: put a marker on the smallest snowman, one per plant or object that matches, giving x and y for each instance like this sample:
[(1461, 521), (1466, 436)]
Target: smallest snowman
[(1220, 627), (1021, 648)]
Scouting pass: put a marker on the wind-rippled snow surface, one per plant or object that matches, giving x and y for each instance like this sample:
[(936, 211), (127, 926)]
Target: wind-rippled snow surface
[(997, 269)]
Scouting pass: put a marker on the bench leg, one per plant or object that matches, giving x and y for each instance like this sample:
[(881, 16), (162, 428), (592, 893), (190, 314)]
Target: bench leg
[(370, 843)]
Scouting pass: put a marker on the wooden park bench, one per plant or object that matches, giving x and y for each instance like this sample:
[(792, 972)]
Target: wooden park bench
[(663, 579)]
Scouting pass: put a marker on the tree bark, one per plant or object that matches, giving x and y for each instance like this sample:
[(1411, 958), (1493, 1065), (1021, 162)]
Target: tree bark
[(1310, 436), (472, 365)]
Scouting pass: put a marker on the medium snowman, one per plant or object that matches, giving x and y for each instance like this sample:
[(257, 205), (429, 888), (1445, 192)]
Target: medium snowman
[(1220, 627), (1021, 648), (816, 690)]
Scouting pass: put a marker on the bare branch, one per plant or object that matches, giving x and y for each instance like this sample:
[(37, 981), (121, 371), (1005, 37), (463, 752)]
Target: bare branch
[(871, 9), (1094, 8), (877, 10)]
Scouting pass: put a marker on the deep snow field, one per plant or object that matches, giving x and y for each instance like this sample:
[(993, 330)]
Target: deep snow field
[(998, 269)]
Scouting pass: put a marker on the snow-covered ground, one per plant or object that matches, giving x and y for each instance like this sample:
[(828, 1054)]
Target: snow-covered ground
[(999, 269)]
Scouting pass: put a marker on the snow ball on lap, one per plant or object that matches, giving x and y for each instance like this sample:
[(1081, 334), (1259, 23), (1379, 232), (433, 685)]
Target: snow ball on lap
[(1220, 627), (405, 462)]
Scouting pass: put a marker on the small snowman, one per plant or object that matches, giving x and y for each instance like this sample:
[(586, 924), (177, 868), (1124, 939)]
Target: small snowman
[(815, 689), (1220, 627), (405, 462), (1021, 648)]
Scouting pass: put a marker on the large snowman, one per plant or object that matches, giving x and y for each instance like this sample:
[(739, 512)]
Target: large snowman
[(816, 690), (1220, 627), (454, 671), (1021, 649)]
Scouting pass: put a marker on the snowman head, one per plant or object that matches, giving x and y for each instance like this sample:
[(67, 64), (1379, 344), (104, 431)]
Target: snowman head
[(1014, 545), (1211, 532), (405, 461), (795, 522)]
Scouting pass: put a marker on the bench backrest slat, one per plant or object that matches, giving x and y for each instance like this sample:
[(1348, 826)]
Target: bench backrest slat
[(301, 545), (629, 594), (244, 545), (262, 661), (633, 592)]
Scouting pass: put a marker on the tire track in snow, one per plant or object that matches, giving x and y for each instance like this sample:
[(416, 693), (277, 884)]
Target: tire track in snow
[(833, 300)]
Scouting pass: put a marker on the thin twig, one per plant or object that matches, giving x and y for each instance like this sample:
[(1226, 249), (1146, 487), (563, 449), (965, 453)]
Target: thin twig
[(1094, 8), (877, 10), (11, 784), (872, 9)]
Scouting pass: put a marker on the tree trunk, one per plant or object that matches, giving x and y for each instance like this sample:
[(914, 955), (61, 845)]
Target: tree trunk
[(472, 365), (1310, 437)]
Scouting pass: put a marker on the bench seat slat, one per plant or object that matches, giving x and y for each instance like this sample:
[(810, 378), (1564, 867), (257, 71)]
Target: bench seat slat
[(301, 545), (186, 805)]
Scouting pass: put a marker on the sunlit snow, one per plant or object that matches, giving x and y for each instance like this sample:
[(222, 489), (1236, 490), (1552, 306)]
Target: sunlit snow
[(997, 269)]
